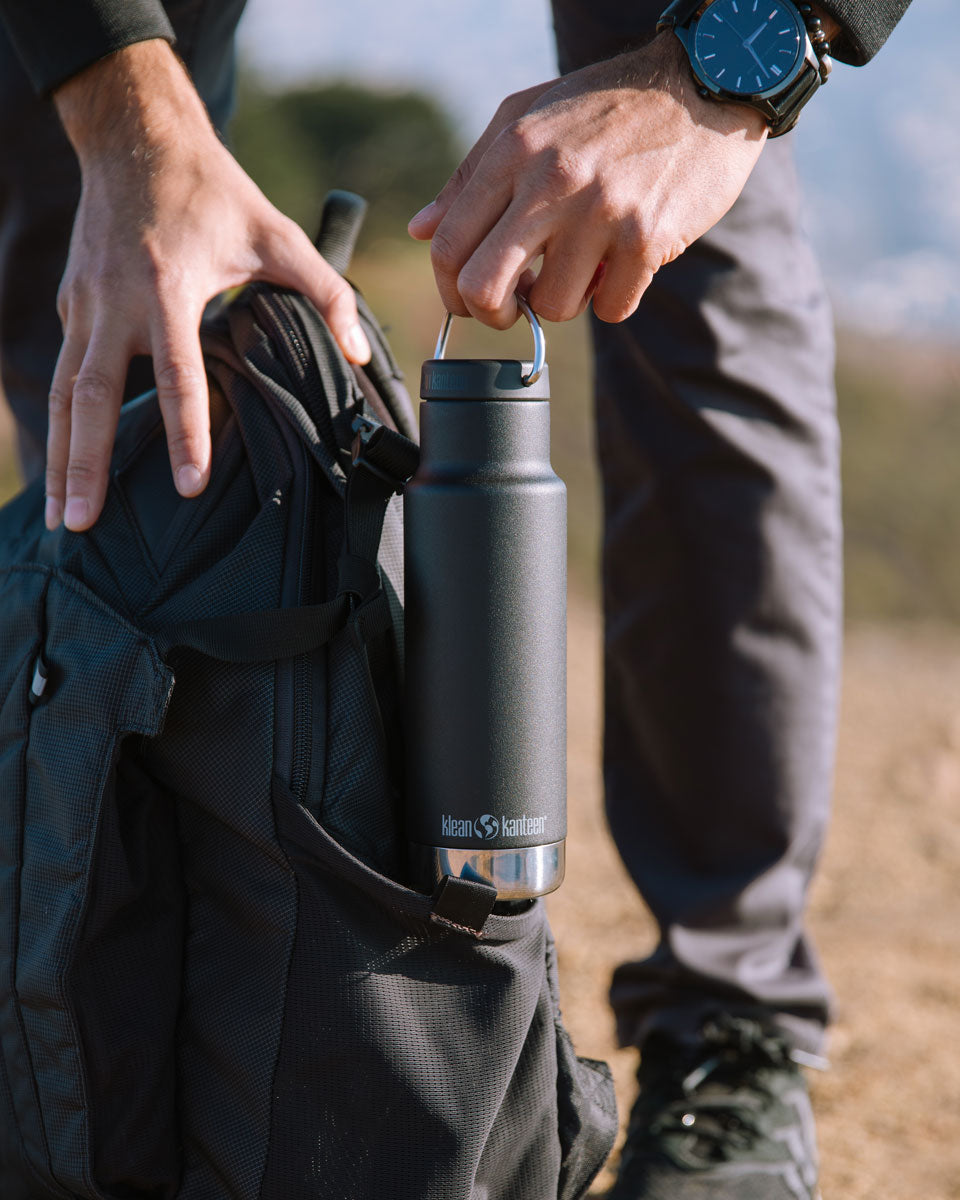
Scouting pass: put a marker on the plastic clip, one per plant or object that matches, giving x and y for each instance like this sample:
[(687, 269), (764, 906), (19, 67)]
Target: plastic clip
[(366, 435)]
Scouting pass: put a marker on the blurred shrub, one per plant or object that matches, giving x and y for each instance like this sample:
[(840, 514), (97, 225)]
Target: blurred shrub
[(397, 149)]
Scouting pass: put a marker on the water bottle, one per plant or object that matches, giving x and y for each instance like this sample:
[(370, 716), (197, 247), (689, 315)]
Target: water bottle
[(485, 588)]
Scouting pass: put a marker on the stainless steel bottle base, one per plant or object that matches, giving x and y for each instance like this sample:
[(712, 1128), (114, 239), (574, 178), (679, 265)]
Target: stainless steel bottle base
[(517, 874)]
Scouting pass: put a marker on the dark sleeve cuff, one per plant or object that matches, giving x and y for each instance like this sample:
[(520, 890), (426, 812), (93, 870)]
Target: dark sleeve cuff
[(866, 26), (56, 40)]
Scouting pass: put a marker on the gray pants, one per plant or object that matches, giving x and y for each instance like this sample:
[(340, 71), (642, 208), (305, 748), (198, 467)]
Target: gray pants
[(719, 451)]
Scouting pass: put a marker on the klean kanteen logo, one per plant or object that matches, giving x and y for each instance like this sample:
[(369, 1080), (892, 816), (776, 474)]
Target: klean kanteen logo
[(488, 826)]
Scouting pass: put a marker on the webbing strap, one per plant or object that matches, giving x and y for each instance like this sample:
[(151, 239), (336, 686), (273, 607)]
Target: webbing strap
[(362, 604), (463, 904), (385, 451), (357, 575), (252, 637), (382, 462)]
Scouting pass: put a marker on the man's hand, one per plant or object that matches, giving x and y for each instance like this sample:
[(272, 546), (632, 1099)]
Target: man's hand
[(167, 219), (607, 173)]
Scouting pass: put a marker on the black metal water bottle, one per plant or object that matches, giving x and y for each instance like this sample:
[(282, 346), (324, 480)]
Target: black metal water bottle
[(485, 585)]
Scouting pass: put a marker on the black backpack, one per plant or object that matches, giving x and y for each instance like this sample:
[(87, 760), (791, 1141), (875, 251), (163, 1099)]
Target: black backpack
[(214, 982)]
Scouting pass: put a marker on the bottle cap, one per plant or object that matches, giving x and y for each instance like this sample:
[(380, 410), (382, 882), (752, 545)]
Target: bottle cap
[(481, 379)]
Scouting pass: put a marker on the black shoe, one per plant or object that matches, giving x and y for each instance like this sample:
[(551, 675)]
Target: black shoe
[(727, 1118)]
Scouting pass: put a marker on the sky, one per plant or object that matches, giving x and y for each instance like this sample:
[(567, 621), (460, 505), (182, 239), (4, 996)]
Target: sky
[(878, 149)]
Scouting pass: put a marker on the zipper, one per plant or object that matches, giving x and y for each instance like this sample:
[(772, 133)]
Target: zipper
[(294, 711), (293, 716), (300, 686)]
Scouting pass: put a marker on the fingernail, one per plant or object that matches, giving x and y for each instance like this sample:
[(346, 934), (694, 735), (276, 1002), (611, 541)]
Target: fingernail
[(52, 512), (189, 480), (425, 211), (76, 513), (358, 348)]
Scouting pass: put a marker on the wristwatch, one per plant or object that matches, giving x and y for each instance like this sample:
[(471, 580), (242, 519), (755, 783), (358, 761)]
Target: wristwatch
[(770, 54)]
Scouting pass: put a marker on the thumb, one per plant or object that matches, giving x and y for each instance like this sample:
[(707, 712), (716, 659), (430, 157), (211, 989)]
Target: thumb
[(293, 262)]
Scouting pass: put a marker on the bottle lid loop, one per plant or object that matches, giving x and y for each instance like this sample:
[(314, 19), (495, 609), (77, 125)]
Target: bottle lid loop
[(539, 341)]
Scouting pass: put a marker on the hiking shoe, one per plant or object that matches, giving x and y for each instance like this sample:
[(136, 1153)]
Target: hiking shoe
[(727, 1118)]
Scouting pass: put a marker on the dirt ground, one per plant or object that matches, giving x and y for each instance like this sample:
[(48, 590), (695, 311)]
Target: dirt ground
[(885, 913)]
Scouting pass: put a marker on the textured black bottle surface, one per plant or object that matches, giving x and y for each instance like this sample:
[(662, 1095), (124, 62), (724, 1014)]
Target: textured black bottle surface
[(481, 379), (485, 549)]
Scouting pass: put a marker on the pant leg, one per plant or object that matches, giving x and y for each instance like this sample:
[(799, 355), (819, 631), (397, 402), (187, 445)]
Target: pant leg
[(718, 447), (39, 191)]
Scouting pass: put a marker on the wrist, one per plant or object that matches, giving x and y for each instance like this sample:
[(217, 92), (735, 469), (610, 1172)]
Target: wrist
[(672, 73), (830, 27), (135, 99)]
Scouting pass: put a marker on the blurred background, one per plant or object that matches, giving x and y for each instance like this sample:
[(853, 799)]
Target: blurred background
[(384, 98), (389, 113)]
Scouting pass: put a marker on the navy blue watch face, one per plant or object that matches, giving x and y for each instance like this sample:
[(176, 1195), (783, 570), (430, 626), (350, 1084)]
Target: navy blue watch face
[(748, 46)]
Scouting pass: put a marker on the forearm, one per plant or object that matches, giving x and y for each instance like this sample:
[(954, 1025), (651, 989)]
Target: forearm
[(136, 101)]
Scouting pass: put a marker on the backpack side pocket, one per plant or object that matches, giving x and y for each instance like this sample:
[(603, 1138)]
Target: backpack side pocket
[(586, 1104), (418, 1061), (76, 862)]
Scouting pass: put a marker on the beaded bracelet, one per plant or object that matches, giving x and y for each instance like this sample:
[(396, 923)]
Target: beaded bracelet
[(818, 39)]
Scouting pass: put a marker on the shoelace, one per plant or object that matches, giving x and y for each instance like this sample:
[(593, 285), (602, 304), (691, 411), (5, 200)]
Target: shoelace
[(720, 1125), (720, 1130)]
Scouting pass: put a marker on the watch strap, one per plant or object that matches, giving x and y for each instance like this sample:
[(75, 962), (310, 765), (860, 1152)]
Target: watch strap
[(784, 110), (678, 13)]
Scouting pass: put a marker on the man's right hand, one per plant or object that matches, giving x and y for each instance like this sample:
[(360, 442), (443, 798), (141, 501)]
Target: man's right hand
[(167, 219)]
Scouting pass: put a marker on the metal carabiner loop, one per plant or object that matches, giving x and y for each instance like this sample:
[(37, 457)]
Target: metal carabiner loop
[(539, 342)]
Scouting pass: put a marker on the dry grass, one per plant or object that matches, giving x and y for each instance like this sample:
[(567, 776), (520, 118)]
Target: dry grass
[(886, 913)]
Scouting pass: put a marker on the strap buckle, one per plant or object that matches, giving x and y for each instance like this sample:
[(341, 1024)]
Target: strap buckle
[(368, 435)]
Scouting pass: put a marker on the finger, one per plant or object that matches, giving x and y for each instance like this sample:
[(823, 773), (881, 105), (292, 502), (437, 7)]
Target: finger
[(567, 277), (423, 225), (58, 430), (472, 219), (290, 259), (182, 393), (595, 282), (528, 277), (488, 280), (94, 408), (626, 276)]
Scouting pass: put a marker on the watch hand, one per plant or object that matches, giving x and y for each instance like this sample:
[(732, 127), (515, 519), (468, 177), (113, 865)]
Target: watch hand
[(730, 25), (753, 54), (753, 36)]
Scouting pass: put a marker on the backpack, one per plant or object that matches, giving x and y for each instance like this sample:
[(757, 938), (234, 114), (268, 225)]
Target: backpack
[(215, 982)]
